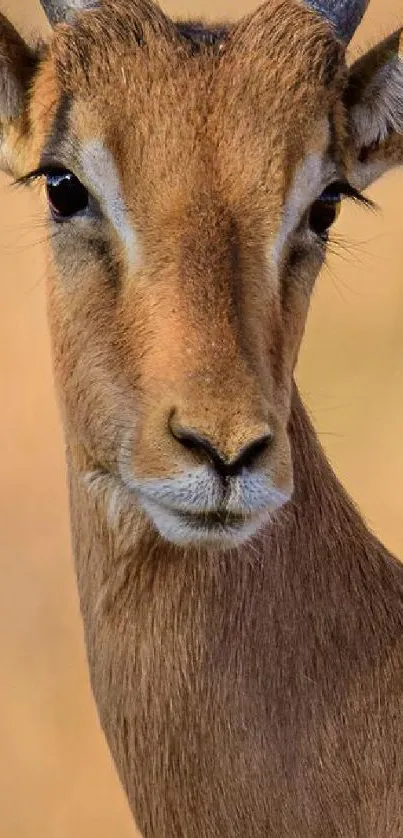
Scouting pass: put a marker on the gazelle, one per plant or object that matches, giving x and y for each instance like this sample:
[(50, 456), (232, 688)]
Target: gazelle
[(244, 629)]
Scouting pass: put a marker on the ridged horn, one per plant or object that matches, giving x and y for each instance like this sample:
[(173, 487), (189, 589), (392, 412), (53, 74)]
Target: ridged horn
[(345, 15), (61, 11)]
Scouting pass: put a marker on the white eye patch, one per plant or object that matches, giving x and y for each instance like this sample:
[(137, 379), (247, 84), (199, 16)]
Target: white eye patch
[(102, 175), (310, 179)]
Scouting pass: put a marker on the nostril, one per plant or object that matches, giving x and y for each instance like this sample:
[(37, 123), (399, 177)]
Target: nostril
[(191, 440), (252, 452)]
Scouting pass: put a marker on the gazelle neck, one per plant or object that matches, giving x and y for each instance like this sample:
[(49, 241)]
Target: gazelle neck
[(214, 655)]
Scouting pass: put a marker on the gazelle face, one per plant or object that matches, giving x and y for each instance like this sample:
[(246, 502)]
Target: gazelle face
[(191, 187), (185, 251)]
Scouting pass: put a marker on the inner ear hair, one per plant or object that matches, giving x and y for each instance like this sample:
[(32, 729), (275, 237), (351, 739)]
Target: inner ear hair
[(374, 95)]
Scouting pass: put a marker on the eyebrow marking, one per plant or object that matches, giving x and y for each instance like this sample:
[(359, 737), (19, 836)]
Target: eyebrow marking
[(101, 172), (60, 128)]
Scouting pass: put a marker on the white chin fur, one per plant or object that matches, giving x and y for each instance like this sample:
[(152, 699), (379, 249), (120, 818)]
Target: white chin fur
[(177, 530)]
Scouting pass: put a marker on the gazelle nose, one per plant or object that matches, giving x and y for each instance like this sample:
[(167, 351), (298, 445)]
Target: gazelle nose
[(246, 457)]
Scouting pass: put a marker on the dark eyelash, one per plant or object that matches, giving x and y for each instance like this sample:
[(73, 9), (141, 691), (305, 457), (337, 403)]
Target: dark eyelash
[(37, 174), (346, 190)]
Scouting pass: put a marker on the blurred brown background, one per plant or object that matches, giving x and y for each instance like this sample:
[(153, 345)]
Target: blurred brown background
[(56, 778)]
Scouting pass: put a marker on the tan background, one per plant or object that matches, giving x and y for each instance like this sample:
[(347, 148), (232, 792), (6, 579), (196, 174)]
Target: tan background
[(56, 779)]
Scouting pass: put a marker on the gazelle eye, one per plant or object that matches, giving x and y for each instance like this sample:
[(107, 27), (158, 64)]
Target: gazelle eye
[(66, 195), (325, 210)]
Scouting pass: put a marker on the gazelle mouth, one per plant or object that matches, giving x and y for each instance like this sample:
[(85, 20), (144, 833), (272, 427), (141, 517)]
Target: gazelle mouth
[(192, 508), (220, 527)]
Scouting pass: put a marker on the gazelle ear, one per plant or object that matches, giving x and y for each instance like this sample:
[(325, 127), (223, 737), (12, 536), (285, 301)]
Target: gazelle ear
[(17, 66), (374, 100)]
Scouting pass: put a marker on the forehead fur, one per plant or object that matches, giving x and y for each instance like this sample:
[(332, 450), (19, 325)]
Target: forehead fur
[(279, 39), (237, 105)]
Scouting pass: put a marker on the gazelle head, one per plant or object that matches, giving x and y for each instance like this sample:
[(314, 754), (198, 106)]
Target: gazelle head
[(192, 176)]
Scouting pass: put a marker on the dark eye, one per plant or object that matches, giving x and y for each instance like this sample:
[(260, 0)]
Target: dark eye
[(66, 195), (325, 210)]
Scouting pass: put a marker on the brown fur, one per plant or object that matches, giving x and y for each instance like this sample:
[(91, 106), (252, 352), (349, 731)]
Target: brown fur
[(254, 691)]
